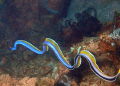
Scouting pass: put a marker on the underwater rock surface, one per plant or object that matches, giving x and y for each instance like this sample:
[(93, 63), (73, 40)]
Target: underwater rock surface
[(104, 8)]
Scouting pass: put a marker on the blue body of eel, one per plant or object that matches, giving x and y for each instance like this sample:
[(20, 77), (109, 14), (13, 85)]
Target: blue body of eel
[(77, 59), (49, 9)]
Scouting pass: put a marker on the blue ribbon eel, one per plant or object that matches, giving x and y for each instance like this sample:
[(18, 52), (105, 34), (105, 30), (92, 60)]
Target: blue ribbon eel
[(77, 59), (49, 9)]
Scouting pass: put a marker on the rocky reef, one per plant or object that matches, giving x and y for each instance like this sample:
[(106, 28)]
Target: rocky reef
[(104, 9), (92, 25)]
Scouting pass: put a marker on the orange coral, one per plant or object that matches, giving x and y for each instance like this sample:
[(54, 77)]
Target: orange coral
[(106, 47), (104, 34), (7, 80)]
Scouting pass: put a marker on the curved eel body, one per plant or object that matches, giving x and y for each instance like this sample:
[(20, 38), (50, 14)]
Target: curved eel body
[(77, 59), (49, 9)]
